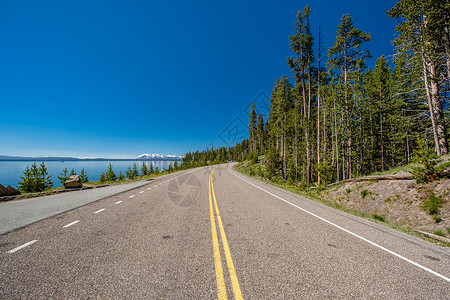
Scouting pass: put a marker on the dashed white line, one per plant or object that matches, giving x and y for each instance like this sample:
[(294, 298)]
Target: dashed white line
[(118, 202), (99, 211), (22, 246), (131, 196), (70, 224), (141, 192), (149, 189)]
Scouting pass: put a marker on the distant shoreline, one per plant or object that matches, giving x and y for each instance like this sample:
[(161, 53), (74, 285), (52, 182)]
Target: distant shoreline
[(40, 159), (63, 158)]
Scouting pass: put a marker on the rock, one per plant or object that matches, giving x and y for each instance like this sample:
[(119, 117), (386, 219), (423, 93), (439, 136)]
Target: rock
[(3, 191), (73, 182), (10, 191)]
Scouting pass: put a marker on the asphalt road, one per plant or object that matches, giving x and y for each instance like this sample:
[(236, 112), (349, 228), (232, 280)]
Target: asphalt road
[(20, 213), (216, 234)]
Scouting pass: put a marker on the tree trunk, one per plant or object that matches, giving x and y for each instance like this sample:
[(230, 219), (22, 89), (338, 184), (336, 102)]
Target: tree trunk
[(437, 110)]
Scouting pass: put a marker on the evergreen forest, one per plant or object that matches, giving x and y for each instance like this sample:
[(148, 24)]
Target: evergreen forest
[(334, 117)]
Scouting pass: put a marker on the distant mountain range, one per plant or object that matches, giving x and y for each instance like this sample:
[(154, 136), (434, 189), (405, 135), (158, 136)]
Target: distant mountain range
[(159, 156), (58, 158)]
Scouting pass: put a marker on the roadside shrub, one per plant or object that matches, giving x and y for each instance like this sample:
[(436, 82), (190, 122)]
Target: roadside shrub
[(364, 193), (378, 217), (432, 204), (426, 157)]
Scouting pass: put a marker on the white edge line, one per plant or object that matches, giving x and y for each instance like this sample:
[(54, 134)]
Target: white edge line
[(70, 224), (99, 211), (22, 246), (118, 202), (348, 231)]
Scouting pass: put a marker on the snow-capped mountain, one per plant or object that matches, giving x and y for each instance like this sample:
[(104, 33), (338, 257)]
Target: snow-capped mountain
[(159, 156)]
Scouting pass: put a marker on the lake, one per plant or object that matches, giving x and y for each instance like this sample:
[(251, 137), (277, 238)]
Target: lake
[(10, 171)]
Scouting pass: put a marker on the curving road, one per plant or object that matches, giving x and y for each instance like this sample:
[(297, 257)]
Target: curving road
[(214, 233)]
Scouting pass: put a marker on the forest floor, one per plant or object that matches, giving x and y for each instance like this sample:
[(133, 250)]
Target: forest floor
[(399, 203)]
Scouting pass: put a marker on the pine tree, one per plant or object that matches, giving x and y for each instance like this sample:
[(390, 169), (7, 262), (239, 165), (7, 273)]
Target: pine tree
[(175, 165), (144, 170), (424, 34), (72, 172), (302, 67), (102, 177), (45, 179), (110, 174), (26, 184), (129, 173), (64, 176), (343, 59), (252, 127), (260, 135), (135, 171), (151, 168), (83, 176), (121, 177)]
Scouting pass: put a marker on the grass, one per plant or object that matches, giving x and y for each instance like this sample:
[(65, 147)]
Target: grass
[(439, 233), (395, 170)]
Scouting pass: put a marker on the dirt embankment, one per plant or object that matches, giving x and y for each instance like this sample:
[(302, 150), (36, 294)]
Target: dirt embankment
[(402, 202)]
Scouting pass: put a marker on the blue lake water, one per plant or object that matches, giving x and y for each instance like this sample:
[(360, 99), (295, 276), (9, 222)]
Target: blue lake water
[(10, 171)]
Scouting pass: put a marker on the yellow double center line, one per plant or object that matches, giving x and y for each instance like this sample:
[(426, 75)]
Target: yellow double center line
[(221, 290)]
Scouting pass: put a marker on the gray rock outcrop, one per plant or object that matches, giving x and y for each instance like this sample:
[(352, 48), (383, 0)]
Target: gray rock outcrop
[(73, 182)]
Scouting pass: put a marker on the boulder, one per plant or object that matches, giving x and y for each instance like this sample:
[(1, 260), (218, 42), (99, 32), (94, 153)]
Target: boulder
[(3, 190), (73, 182), (10, 191)]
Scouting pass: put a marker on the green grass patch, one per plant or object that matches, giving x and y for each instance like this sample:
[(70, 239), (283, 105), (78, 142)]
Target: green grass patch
[(439, 233)]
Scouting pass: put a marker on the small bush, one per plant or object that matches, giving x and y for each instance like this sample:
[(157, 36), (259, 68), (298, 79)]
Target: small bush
[(432, 204), (348, 190), (364, 193), (437, 218), (426, 157), (387, 200), (378, 217)]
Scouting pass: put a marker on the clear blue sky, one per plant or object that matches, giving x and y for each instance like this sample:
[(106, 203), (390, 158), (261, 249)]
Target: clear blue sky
[(121, 78)]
